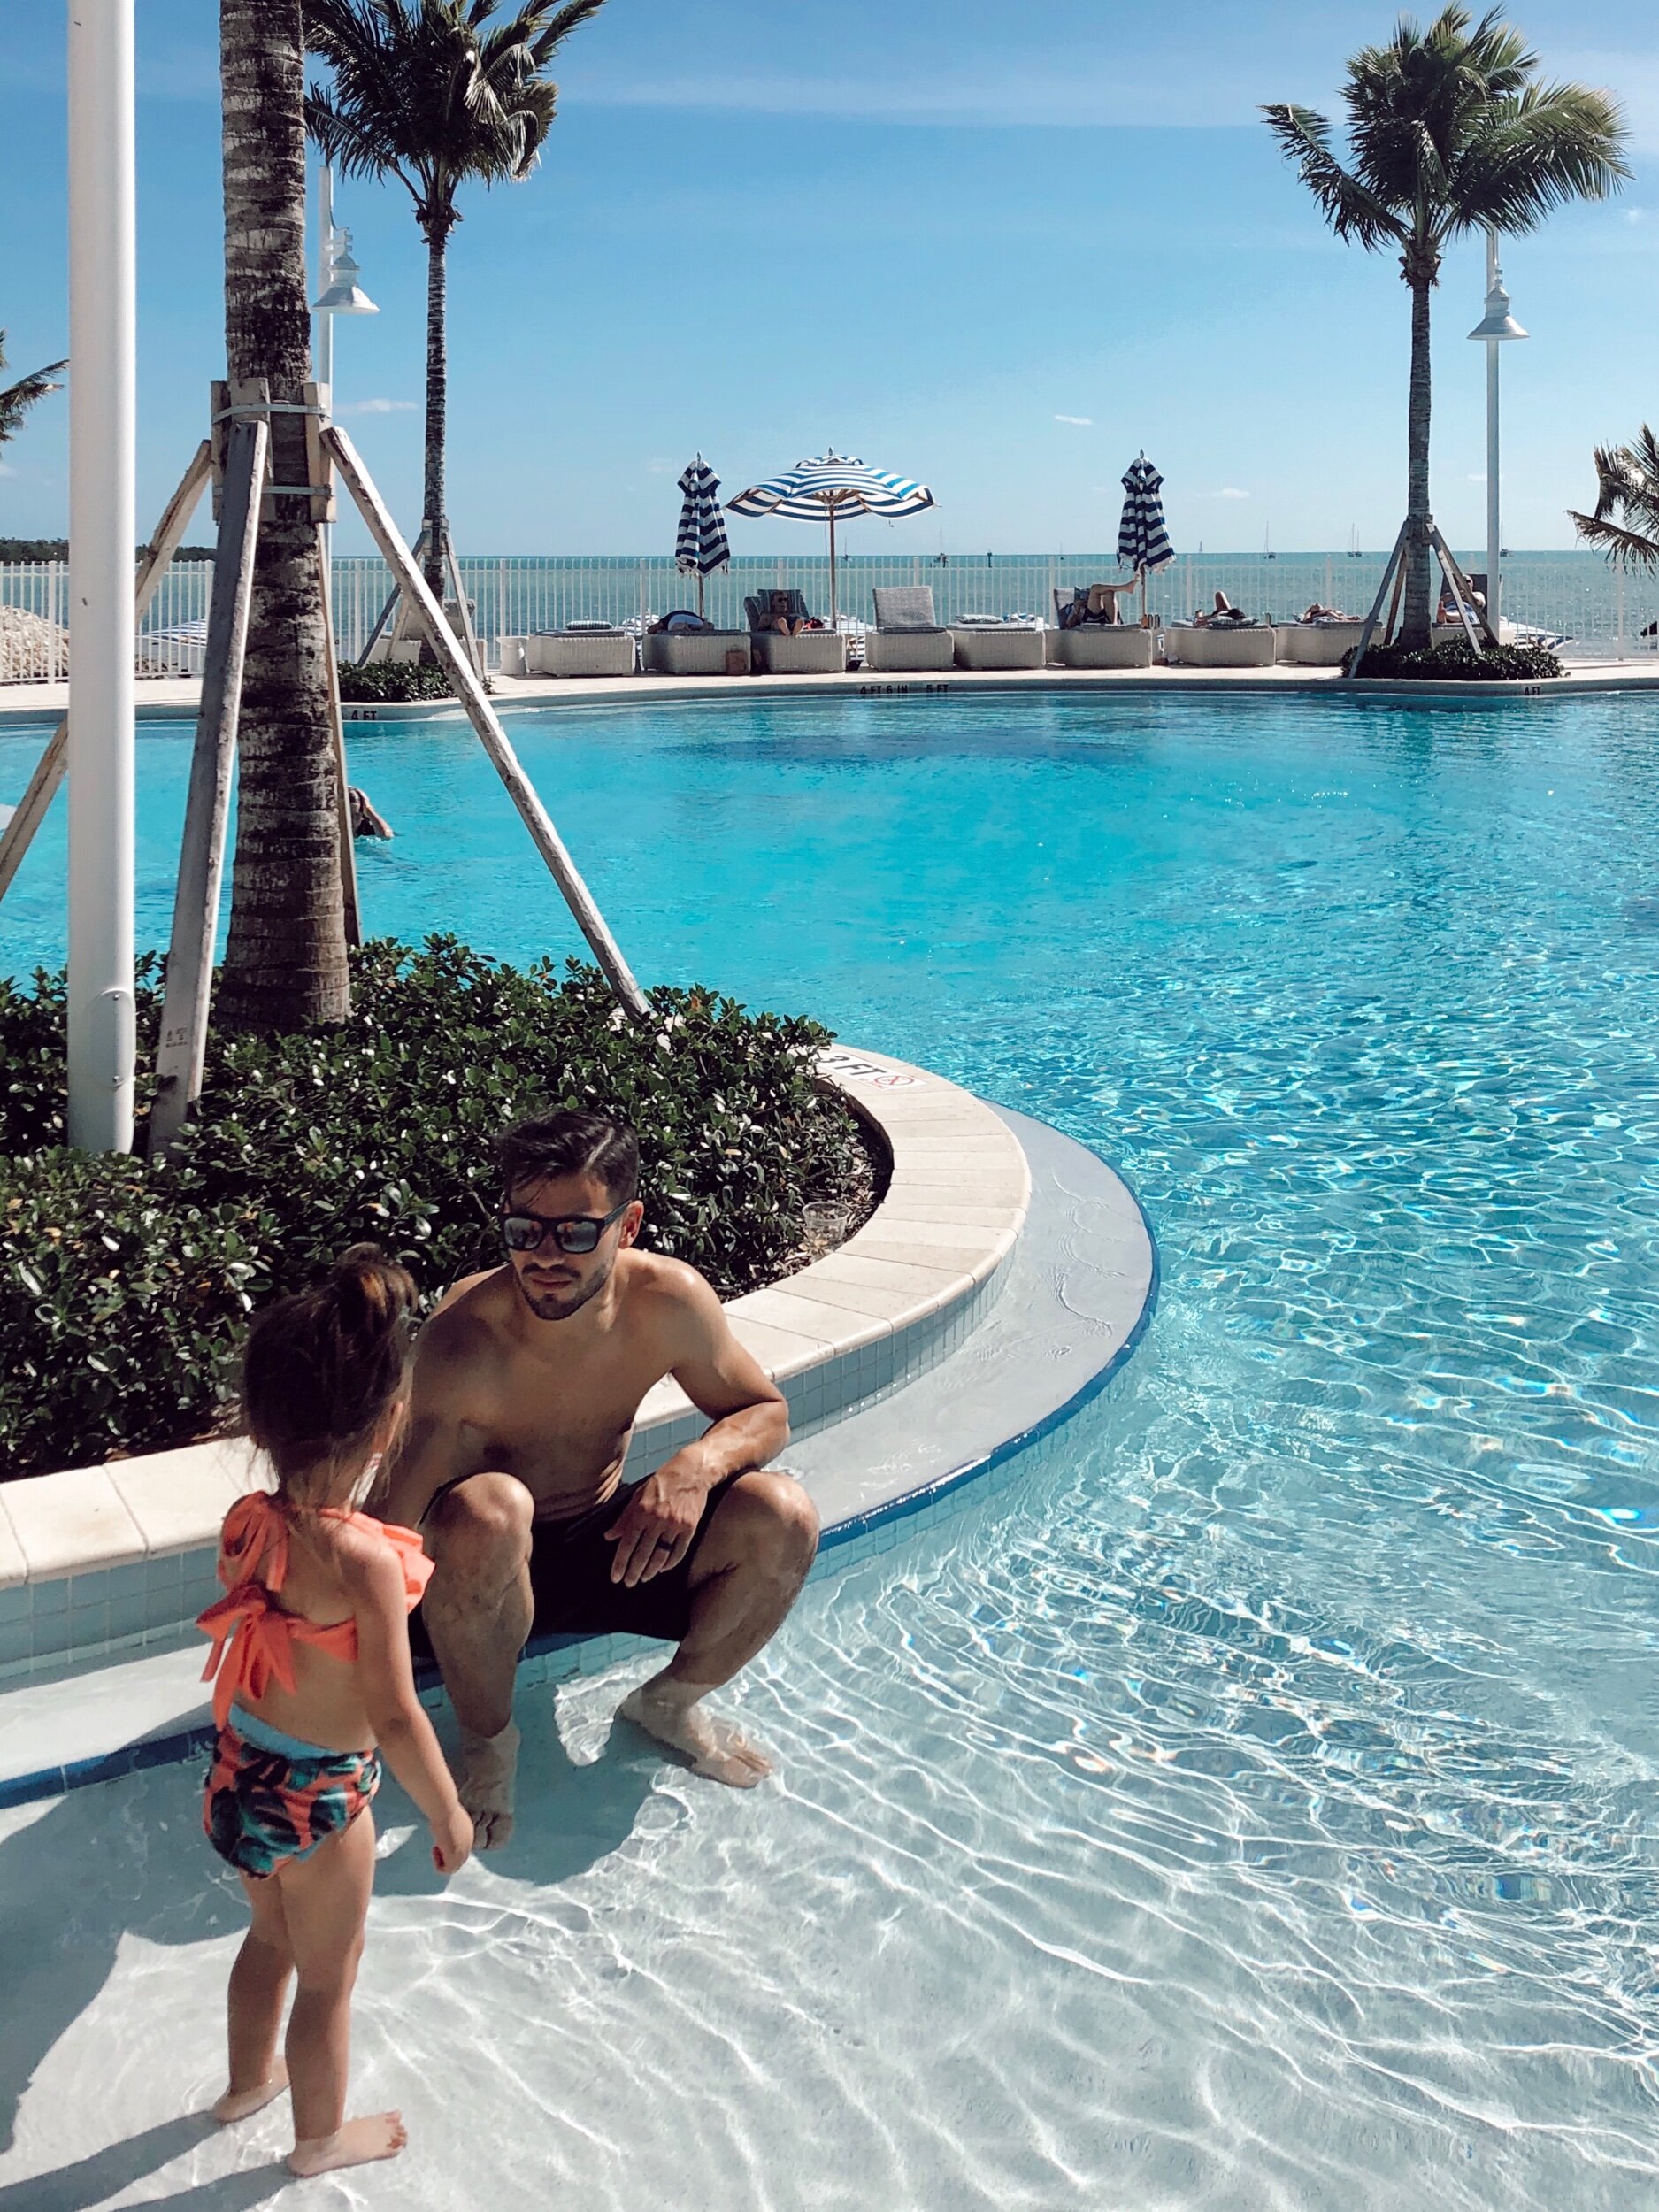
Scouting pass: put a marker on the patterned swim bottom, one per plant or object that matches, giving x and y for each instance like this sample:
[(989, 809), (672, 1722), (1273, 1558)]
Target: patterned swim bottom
[(272, 1800)]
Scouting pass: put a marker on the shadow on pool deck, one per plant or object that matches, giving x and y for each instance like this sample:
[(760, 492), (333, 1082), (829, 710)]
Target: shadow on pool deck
[(94, 1869)]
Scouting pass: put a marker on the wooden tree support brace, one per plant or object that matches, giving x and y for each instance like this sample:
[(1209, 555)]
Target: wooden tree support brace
[(1463, 591), (18, 833), (348, 844), (468, 634), (484, 719), (189, 983), (1370, 630)]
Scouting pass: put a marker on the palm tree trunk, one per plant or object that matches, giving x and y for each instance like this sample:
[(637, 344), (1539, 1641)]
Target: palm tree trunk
[(1415, 632), (285, 957), (437, 398)]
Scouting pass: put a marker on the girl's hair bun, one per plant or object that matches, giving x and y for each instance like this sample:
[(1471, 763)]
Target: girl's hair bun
[(321, 1368), (374, 1293)]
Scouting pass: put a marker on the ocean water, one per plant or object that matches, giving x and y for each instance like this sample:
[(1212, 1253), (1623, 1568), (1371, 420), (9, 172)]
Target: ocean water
[(1255, 1805)]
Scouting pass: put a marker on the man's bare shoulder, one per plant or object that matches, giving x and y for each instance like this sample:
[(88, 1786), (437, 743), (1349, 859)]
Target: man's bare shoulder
[(466, 1328), (671, 1301)]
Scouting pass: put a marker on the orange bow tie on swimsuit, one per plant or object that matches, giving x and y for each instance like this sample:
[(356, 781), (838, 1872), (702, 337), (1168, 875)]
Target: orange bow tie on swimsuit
[(259, 1636)]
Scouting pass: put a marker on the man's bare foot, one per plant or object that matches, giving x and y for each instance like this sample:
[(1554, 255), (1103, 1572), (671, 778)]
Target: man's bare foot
[(714, 1747), (382, 2136), (489, 1767), (242, 2104)]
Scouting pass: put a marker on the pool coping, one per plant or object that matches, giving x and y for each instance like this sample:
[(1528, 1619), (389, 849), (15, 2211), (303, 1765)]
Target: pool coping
[(1093, 1282), (116, 1552), (172, 699)]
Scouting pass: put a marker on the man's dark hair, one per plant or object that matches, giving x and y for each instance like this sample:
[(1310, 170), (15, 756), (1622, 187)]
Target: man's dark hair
[(566, 1143)]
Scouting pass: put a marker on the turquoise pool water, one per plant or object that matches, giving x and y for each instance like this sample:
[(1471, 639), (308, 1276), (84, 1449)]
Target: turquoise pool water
[(1256, 1806)]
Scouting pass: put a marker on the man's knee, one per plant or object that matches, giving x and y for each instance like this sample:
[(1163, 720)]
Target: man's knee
[(772, 1522), (481, 1529)]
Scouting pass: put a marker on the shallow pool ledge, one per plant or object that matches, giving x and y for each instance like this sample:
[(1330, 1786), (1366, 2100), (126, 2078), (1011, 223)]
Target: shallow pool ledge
[(103, 1561)]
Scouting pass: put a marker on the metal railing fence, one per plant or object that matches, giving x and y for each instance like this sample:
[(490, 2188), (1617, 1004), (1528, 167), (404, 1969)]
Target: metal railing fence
[(1600, 607)]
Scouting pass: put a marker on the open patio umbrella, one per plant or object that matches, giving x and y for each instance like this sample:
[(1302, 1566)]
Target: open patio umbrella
[(700, 545), (1142, 538), (830, 486)]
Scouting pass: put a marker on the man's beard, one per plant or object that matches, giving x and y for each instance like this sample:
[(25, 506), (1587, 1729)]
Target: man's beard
[(553, 1306)]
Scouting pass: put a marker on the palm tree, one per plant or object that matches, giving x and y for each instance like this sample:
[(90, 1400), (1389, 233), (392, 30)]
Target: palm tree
[(1449, 131), (423, 92), (1626, 486), (16, 399), (285, 955)]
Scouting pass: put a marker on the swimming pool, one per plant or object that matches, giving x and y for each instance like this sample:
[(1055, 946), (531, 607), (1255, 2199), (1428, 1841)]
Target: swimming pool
[(1257, 1804)]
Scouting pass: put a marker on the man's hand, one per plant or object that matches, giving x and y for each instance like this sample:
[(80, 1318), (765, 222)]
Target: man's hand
[(659, 1521)]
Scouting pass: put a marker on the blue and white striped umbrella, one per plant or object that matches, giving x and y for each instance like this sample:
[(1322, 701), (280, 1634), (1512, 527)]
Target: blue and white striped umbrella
[(830, 486), (1142, 539), (700, 545)]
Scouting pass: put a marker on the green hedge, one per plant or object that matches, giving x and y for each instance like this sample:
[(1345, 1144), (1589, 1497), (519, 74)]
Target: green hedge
[(1454, 661), (394, 683), (124, 1291)]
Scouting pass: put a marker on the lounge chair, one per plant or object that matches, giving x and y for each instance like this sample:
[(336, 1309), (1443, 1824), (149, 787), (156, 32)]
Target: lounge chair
[(807, 653), (1219, 644), (1090, 641), (990, 643), (697, 652), (1317, 644), (907, 634), (683, 644), (589, 651)]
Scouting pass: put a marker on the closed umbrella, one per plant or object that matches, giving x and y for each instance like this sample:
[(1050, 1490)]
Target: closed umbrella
[(700, 545), (830, 486), (1142, 538)]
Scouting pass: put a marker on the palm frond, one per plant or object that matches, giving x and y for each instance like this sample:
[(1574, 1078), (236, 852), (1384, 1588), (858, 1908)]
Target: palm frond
[(1618, 544), (1351, 208), (1537, 152), (16, 399)]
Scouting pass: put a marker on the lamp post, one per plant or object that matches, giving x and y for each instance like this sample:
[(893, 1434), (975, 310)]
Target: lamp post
[(1497, 328), (102, 305), (339, 294)]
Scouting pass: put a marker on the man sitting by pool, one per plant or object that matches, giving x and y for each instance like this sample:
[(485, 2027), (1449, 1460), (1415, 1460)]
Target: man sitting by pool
[(526, 1382)]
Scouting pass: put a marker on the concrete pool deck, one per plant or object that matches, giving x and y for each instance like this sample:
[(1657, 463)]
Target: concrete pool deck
[(171, 699)]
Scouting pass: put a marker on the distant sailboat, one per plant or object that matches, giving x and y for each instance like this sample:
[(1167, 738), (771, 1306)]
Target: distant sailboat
[(1268, 553), (1354, 553)]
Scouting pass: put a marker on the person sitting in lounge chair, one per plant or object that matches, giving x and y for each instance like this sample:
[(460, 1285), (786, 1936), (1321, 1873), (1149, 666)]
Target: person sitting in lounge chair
[(1447, 615), (1223, 611), (783, 617), (1093, 604)]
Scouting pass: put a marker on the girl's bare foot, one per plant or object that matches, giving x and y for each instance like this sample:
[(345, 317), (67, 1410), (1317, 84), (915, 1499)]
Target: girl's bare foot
[(714, 1747), (242, 2104), (381, 2136), (489, 1768)]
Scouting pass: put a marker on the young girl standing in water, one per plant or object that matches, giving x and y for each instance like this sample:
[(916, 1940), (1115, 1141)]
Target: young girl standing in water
[(313, 1639)]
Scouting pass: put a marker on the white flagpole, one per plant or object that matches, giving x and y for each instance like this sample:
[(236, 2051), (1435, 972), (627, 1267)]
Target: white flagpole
[(102, 522)]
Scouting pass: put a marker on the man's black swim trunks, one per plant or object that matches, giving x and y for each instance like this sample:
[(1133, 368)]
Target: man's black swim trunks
[(570, 1577)]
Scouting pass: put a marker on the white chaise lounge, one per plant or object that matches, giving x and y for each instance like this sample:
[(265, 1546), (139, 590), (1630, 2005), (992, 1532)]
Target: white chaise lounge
[(907, 634), (1219, 645), (997, 644)]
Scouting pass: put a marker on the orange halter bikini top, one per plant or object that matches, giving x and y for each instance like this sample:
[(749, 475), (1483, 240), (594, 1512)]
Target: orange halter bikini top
[(259, 1636)]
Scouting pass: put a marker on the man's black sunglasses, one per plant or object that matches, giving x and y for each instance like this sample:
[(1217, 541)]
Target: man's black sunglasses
[(572, 1232)]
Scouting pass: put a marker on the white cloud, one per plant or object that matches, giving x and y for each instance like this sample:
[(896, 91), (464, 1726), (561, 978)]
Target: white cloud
[(659, 468), (1083, 422), (6, 469), (1635, 214), (1227, 491), (378, 407)]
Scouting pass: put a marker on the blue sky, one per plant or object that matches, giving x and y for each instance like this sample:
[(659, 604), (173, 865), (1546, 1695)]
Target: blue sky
[(999, 248)]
